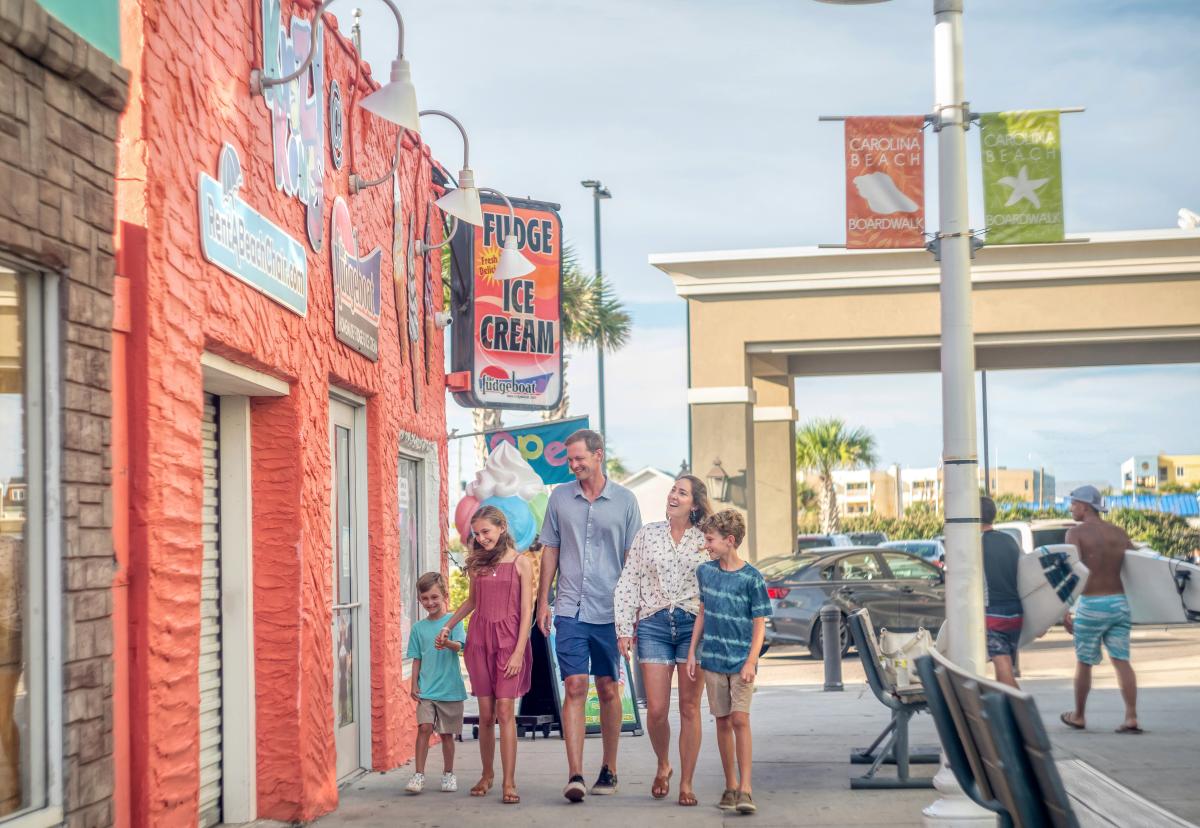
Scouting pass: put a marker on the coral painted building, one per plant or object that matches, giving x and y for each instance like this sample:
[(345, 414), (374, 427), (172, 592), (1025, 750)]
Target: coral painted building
[(279, 427)]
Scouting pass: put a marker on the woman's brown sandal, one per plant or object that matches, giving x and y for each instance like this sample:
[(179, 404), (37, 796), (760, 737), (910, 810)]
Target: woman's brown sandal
[(662, 785), (687, 798), (482, 787), (510, 796)]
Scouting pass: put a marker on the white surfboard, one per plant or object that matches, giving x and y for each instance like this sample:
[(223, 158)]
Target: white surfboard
[(1047, 580), (1152, 585)]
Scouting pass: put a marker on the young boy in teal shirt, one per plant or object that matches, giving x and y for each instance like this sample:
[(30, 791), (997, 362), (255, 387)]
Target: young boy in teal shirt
[(729, 633), (436, 680)]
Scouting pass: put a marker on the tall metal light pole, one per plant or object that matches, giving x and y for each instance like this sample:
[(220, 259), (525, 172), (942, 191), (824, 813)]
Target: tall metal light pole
[(964, 561), (599, 191)]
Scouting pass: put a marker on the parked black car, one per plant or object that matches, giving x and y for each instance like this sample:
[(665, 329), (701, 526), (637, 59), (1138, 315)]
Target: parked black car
[(901, 591)]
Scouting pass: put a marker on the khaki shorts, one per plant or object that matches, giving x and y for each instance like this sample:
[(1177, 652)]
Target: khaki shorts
[(727, 693), (445, 716)]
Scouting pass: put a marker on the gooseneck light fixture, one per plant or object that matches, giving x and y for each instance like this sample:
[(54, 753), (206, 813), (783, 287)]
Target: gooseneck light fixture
[(512, 264), (461, 203), (718, 481), (395, 101)]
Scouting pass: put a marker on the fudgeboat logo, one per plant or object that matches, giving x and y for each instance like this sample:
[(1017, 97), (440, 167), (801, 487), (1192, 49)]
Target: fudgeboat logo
[(356, 292), (495, 380)]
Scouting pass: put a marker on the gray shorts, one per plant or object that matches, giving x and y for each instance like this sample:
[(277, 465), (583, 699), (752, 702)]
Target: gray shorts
[(445, 716)]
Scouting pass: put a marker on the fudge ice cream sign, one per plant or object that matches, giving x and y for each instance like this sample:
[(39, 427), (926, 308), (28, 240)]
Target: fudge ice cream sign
[(514, 353), (885, 182)]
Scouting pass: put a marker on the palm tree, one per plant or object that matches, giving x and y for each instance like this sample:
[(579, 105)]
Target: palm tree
[(578, 304), (825, 445), (592, 315)]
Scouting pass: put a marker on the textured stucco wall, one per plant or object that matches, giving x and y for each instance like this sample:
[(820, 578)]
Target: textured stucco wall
[(190, 63)]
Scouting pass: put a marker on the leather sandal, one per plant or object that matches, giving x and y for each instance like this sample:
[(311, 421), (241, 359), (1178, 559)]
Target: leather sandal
[(662, 785), (687, 798), (510, 796), (482, 787)]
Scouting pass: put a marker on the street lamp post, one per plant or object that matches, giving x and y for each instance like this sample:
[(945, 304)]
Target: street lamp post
[(964, 561), (599, 191)]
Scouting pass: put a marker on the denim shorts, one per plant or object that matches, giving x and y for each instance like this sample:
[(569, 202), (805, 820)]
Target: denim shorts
[(665, 636)]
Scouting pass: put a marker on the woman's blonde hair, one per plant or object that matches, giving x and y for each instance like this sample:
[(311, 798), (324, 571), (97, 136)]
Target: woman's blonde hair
[(480, 559)]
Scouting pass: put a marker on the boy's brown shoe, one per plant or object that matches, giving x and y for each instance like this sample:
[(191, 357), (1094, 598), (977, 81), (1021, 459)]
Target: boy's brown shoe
[(745, 803), (728, 800)]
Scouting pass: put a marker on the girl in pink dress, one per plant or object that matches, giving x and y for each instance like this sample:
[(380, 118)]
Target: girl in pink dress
[(499, 656)]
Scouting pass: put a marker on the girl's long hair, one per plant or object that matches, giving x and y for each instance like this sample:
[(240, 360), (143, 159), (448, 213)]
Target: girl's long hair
[(701, 508), (480, 559)]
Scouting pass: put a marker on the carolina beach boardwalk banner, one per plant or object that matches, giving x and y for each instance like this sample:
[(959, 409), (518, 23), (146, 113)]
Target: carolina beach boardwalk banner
[(885, 182), (1022, 176)]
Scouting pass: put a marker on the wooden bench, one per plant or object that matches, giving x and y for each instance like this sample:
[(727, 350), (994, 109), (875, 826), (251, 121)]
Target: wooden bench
[(892, 744), (1000, 753)]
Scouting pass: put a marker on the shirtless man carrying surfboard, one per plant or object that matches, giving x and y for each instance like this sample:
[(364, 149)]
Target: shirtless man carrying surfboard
[(1102, 613)]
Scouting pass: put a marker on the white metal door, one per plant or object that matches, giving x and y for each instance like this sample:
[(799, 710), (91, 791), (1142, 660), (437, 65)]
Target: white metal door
[(210, 624), (347, 655)]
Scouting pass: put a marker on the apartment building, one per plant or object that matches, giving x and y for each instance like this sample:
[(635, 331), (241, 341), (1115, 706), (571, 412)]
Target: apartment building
[(1153, 471)]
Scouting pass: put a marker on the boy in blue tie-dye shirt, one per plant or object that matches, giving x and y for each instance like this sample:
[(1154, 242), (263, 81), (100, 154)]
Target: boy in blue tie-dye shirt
[(729, 633)]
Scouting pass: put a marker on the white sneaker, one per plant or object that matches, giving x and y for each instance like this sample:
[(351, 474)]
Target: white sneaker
[(449, 783), (416, 783)]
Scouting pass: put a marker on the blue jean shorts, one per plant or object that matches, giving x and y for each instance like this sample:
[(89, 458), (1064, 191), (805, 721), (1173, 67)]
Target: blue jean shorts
[(585, 649), (665, 636)]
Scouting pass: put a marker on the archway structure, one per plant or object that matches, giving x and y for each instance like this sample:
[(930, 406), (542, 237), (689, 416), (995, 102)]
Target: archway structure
[(757, 319)]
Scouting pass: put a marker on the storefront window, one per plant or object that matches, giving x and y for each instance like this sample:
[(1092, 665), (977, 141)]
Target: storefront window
[(411, 528), (23, 638)]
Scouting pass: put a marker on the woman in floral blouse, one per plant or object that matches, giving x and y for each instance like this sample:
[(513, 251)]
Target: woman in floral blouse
[(656, 600)]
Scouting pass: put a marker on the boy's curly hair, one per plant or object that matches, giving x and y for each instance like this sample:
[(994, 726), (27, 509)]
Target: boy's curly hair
[(728, 523)]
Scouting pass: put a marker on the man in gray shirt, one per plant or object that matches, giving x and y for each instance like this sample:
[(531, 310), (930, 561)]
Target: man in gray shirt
[(588, 529)]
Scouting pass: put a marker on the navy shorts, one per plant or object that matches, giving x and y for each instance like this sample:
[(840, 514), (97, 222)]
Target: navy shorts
[(585, 649)]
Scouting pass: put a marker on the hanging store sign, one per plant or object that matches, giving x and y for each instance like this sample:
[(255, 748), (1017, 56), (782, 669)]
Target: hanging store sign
[(297, 112), (543, 446), (508, 334), (885, 182), (244, 243), (1022, 176), (357, 300)]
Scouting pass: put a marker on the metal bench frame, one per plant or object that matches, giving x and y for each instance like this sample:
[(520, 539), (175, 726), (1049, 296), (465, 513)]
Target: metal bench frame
[(892, 744)]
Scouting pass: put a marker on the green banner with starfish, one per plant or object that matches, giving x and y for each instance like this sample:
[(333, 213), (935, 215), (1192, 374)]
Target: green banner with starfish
[(1022, 176)]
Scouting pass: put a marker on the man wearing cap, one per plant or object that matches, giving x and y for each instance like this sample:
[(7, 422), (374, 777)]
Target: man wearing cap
[(1102, 612)]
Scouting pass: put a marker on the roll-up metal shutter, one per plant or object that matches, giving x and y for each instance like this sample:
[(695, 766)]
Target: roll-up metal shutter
[(210, 626)]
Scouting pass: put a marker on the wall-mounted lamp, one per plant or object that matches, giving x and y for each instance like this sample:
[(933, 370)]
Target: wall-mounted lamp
[(461, 203), (718, 481), (395, 101), (512, 264)]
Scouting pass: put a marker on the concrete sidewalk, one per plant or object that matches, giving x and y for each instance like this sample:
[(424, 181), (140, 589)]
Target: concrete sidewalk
[(801, 772), (801, 753)]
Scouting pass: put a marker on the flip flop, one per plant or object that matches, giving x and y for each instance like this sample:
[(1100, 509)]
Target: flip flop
[(662, 785), (510, 797), (1065, 718), (481, 787), (1134, 730)]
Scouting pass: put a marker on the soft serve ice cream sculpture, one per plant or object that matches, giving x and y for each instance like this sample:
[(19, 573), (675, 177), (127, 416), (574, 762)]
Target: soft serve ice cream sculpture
[(510, 484)]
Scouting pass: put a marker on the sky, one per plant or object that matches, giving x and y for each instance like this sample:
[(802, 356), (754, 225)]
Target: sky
[(701, 118)]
